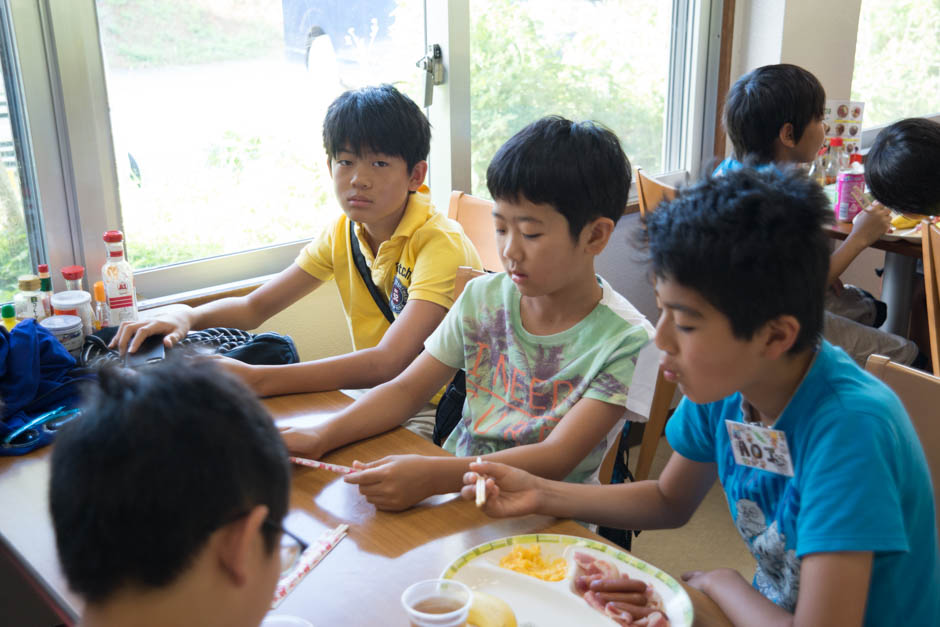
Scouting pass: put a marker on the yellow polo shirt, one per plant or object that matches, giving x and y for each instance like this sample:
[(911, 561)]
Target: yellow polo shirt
[(419, 262)]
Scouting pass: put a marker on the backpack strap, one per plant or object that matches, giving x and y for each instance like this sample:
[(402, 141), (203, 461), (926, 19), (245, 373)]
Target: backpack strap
[(366, 275)]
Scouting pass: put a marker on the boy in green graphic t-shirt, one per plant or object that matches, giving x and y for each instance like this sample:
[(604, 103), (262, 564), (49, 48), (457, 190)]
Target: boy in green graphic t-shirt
[(548, 347)]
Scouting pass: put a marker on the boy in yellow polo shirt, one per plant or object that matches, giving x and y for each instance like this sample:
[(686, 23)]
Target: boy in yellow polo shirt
[(377, 141)]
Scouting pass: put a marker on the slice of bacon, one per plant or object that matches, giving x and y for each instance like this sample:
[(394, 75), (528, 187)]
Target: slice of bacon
[(591, 569)]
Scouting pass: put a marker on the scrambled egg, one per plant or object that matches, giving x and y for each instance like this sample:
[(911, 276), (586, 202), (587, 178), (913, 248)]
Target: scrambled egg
[(528, 560)]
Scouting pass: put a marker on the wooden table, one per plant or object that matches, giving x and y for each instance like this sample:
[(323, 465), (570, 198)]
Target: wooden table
[(361, 580), (897, 282)]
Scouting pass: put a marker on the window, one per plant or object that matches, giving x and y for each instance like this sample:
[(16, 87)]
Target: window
[(20, 230), (216, 113), (605, 60), (897, 60), (195, 125)]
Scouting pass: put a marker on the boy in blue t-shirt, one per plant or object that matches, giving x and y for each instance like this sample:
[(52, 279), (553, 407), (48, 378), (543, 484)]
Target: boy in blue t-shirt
[(823, 472), (774, 114)]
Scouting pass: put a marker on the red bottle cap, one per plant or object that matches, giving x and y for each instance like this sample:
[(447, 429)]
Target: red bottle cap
[(835, 141), (113, 236), (72, 273), (43, 267), (855, 158)]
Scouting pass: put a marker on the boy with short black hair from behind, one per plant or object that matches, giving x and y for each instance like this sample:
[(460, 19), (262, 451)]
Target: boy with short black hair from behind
[(167, 498), (902, 167), (822, 470), (377, 142), (549, 349), (774, 114)]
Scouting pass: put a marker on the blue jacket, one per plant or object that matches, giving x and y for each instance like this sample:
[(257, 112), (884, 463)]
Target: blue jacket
[(37, 374)]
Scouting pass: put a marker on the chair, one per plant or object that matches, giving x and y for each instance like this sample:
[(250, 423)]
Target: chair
[(920, 393), (652, 192), (464, 275), (475, 215), (931, 242), (663, 393)]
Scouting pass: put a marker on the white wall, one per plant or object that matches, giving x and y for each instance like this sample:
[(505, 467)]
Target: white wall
[(819, 36), (316, 324)]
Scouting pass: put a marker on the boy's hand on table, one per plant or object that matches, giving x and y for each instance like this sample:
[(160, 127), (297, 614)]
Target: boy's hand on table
[(706, 580), (173, 326), (304, 442), (509, 491), (873, 222), (394, 483)]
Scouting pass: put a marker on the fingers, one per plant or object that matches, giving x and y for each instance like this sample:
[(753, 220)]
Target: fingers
[(686, 576), (490, 469), (124, 334)]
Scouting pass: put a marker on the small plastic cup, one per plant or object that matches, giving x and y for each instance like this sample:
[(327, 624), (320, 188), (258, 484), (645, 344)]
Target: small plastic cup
[(283, 620), (437, 603)]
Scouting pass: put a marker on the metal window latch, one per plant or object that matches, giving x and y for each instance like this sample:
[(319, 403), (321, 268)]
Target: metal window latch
[(433, 66)]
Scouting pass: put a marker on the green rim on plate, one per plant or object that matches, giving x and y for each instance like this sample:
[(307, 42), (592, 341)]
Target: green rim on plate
[(685, 604)]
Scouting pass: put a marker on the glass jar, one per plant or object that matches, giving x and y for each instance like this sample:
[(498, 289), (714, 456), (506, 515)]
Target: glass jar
[(27, 302)]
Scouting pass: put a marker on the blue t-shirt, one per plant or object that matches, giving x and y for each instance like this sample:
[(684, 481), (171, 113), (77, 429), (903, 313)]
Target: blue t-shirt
[(728, 165), (860, 484)]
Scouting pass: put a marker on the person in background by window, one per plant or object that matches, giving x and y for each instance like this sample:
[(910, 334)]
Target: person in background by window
[(167, 498), (377, 142), (822, 470), (774, 114)]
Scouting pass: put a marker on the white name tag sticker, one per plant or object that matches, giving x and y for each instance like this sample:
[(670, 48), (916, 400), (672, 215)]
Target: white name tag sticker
[(759, 447)]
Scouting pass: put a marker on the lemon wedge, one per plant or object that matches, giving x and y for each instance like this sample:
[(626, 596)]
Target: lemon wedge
[(903, 222), (489, 611)]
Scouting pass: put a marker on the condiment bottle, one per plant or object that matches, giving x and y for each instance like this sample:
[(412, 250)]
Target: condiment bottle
[(8, 313), (102, 315), (75, 303), (817, 171), (73, 277), (45, 286), (118, 278), (74, 300), (28, 301), (837, 160), (68, 330), (850, 191)]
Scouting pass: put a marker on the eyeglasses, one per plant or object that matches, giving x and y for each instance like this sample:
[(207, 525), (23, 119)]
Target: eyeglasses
[(291, 546)]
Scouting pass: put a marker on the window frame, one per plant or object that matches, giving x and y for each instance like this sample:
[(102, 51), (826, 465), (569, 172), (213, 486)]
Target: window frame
[(69, 126)]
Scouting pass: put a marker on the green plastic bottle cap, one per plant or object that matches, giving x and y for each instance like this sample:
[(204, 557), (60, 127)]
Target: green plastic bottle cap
[(7, 311)]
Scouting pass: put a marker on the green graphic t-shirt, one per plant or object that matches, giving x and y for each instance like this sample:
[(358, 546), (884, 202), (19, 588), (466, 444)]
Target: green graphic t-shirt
[(519, 385)]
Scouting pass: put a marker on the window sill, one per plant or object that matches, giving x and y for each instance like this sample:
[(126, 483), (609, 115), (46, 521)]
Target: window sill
[(194, 298)]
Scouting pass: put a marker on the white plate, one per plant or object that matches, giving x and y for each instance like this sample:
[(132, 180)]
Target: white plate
[(539, 603), (912, 234)]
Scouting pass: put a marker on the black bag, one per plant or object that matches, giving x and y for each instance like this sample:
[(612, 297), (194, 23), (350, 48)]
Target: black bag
[(621, 474), (263, 349), (450, 407)]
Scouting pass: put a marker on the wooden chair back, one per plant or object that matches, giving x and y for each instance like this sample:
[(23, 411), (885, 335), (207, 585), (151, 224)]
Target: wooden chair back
[(475, 215), (663, 393), (464, 274), (920, 393), (931, 244), (651, 191)]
